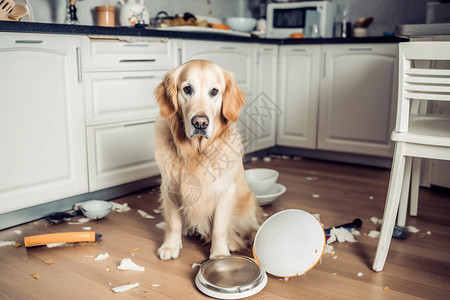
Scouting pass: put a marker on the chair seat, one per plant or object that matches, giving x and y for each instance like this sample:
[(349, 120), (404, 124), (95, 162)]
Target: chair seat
[(427, 130)]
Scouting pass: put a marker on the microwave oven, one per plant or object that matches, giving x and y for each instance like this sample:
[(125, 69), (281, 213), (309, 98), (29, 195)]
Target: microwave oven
[(283, 19)]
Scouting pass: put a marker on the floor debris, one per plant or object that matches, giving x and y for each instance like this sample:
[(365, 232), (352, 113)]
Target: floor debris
[(17, 231), (101, 256), (117, 207), (35, 276), (7, 243), (329, 249), (48, 262), (80, 221), (376, 221), (144, 214), (412, 229), (386, 289), (315, 195), (360, 274), (341, 235), (157, 211), (128, 265), (161, 225), (374, 234), (53, 245), (126, 287)]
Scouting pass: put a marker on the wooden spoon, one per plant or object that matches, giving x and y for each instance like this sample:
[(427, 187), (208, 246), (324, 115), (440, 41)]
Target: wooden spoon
[(17, 12), (6, 7)]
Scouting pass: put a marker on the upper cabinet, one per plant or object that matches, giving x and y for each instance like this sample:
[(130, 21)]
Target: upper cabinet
[(43, 153), (298, 95), (358, 92)]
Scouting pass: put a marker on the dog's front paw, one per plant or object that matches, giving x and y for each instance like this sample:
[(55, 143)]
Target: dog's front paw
[(166, 252)]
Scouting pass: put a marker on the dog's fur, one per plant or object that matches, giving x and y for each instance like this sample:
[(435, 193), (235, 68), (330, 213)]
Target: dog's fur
[(203, 190)]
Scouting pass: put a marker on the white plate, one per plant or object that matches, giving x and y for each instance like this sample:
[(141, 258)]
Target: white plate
[(289, 243), (274, 193), (203, 29)]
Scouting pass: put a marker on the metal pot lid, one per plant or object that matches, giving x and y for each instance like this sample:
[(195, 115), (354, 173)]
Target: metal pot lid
[(230, 277)]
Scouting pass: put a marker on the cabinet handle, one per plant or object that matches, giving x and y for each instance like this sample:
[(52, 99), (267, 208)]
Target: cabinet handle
[(138, 123), (139, 77), (360, 49), (136, 45), (298, 50), (79, 65), (136, 60), (324, 70), (180, 56), (227, 48), (29, 41)]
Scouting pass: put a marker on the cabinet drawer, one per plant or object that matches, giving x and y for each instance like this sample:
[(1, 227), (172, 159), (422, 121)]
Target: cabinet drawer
[(121, 96), (35, 41), (120, 153), (115, 55)]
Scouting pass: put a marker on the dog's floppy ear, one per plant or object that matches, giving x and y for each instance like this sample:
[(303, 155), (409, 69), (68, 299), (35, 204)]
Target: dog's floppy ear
[(233, 98), (167, 96)]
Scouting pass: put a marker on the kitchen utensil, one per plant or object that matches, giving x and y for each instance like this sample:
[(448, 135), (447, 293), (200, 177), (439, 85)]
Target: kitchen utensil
[(17, 12), (230, 277), (6, 7), (261, 180), (65, 237), (96, 209), (356, 223), (241, 24), (289, 243), (273, 194), (106, 16)]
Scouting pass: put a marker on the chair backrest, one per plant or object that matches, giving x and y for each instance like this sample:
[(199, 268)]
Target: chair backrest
[(418, 79)]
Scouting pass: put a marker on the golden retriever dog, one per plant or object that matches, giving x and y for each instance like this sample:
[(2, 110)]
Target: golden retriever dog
[(199, 152)]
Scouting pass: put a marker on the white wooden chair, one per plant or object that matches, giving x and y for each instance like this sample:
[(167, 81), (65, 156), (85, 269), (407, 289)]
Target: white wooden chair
[(415, 135)]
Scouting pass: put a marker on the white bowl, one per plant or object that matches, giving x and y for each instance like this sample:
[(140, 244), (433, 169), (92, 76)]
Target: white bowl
[(274, 193), (241, 24), (261, 180), (289, 243), (96, 209)]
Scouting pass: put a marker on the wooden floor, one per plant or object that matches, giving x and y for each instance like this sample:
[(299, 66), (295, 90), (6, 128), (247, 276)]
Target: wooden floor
[(417, 267)]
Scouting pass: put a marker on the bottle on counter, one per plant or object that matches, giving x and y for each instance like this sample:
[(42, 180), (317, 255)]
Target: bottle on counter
[(342, 25)]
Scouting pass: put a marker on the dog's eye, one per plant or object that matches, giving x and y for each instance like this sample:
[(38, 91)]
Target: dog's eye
[(187, 90), (214, 92)]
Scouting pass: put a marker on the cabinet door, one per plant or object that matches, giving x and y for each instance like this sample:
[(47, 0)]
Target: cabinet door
[(232, 57), (358, 98), (121, 96), (298, 95), (262, 111), (120, 153), (42, 132)]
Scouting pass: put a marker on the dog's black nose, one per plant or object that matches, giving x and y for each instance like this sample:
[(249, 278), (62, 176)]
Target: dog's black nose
[(200, 122)]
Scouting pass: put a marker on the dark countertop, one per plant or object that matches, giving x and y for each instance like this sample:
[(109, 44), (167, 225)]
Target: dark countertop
[(31, 27), (422, 30)]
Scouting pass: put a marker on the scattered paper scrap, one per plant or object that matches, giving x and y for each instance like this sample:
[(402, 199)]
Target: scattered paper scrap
[(157, 211), (254, 158), (334, 257), (360, 274), (354, 232), (144, 214), (340, 235), (48, 262), (161, 225), (101, 256), (117, 207), (7, 243), (35, 275), (310, 178), (86, 228), (128, 265), (267, 159), (317, 216), (195, 265), (155, 284), (286, 279), (53, 245), (371, 197), (374, 234), (412, 229), (80, 221), (428, 232), (17, 231), (376, 221), (126, 287), (315, 195), (329, 249)]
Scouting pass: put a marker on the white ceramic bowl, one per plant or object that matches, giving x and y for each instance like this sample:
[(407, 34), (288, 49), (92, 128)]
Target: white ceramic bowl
[(273, 194), (241, 24), (261, 180), (96, 209), (289, 243)]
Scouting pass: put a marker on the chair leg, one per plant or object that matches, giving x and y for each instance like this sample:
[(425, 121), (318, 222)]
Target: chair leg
[(391, 207), (401, 220), (414, 202)]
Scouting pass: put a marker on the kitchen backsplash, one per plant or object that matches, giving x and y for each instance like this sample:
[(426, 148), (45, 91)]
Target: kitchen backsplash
[(386, 13)]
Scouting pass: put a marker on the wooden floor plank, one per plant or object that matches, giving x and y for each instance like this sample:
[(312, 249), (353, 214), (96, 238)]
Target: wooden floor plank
[(417, 267)]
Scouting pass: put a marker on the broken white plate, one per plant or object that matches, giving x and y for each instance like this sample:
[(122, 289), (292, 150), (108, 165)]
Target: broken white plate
[(274, 193), (289, 243)]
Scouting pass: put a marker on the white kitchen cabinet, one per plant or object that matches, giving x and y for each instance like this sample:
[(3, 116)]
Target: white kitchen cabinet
[(120, 80), (298, 95), (43, 153), (358, 95), (120, 153), (262, 109)]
